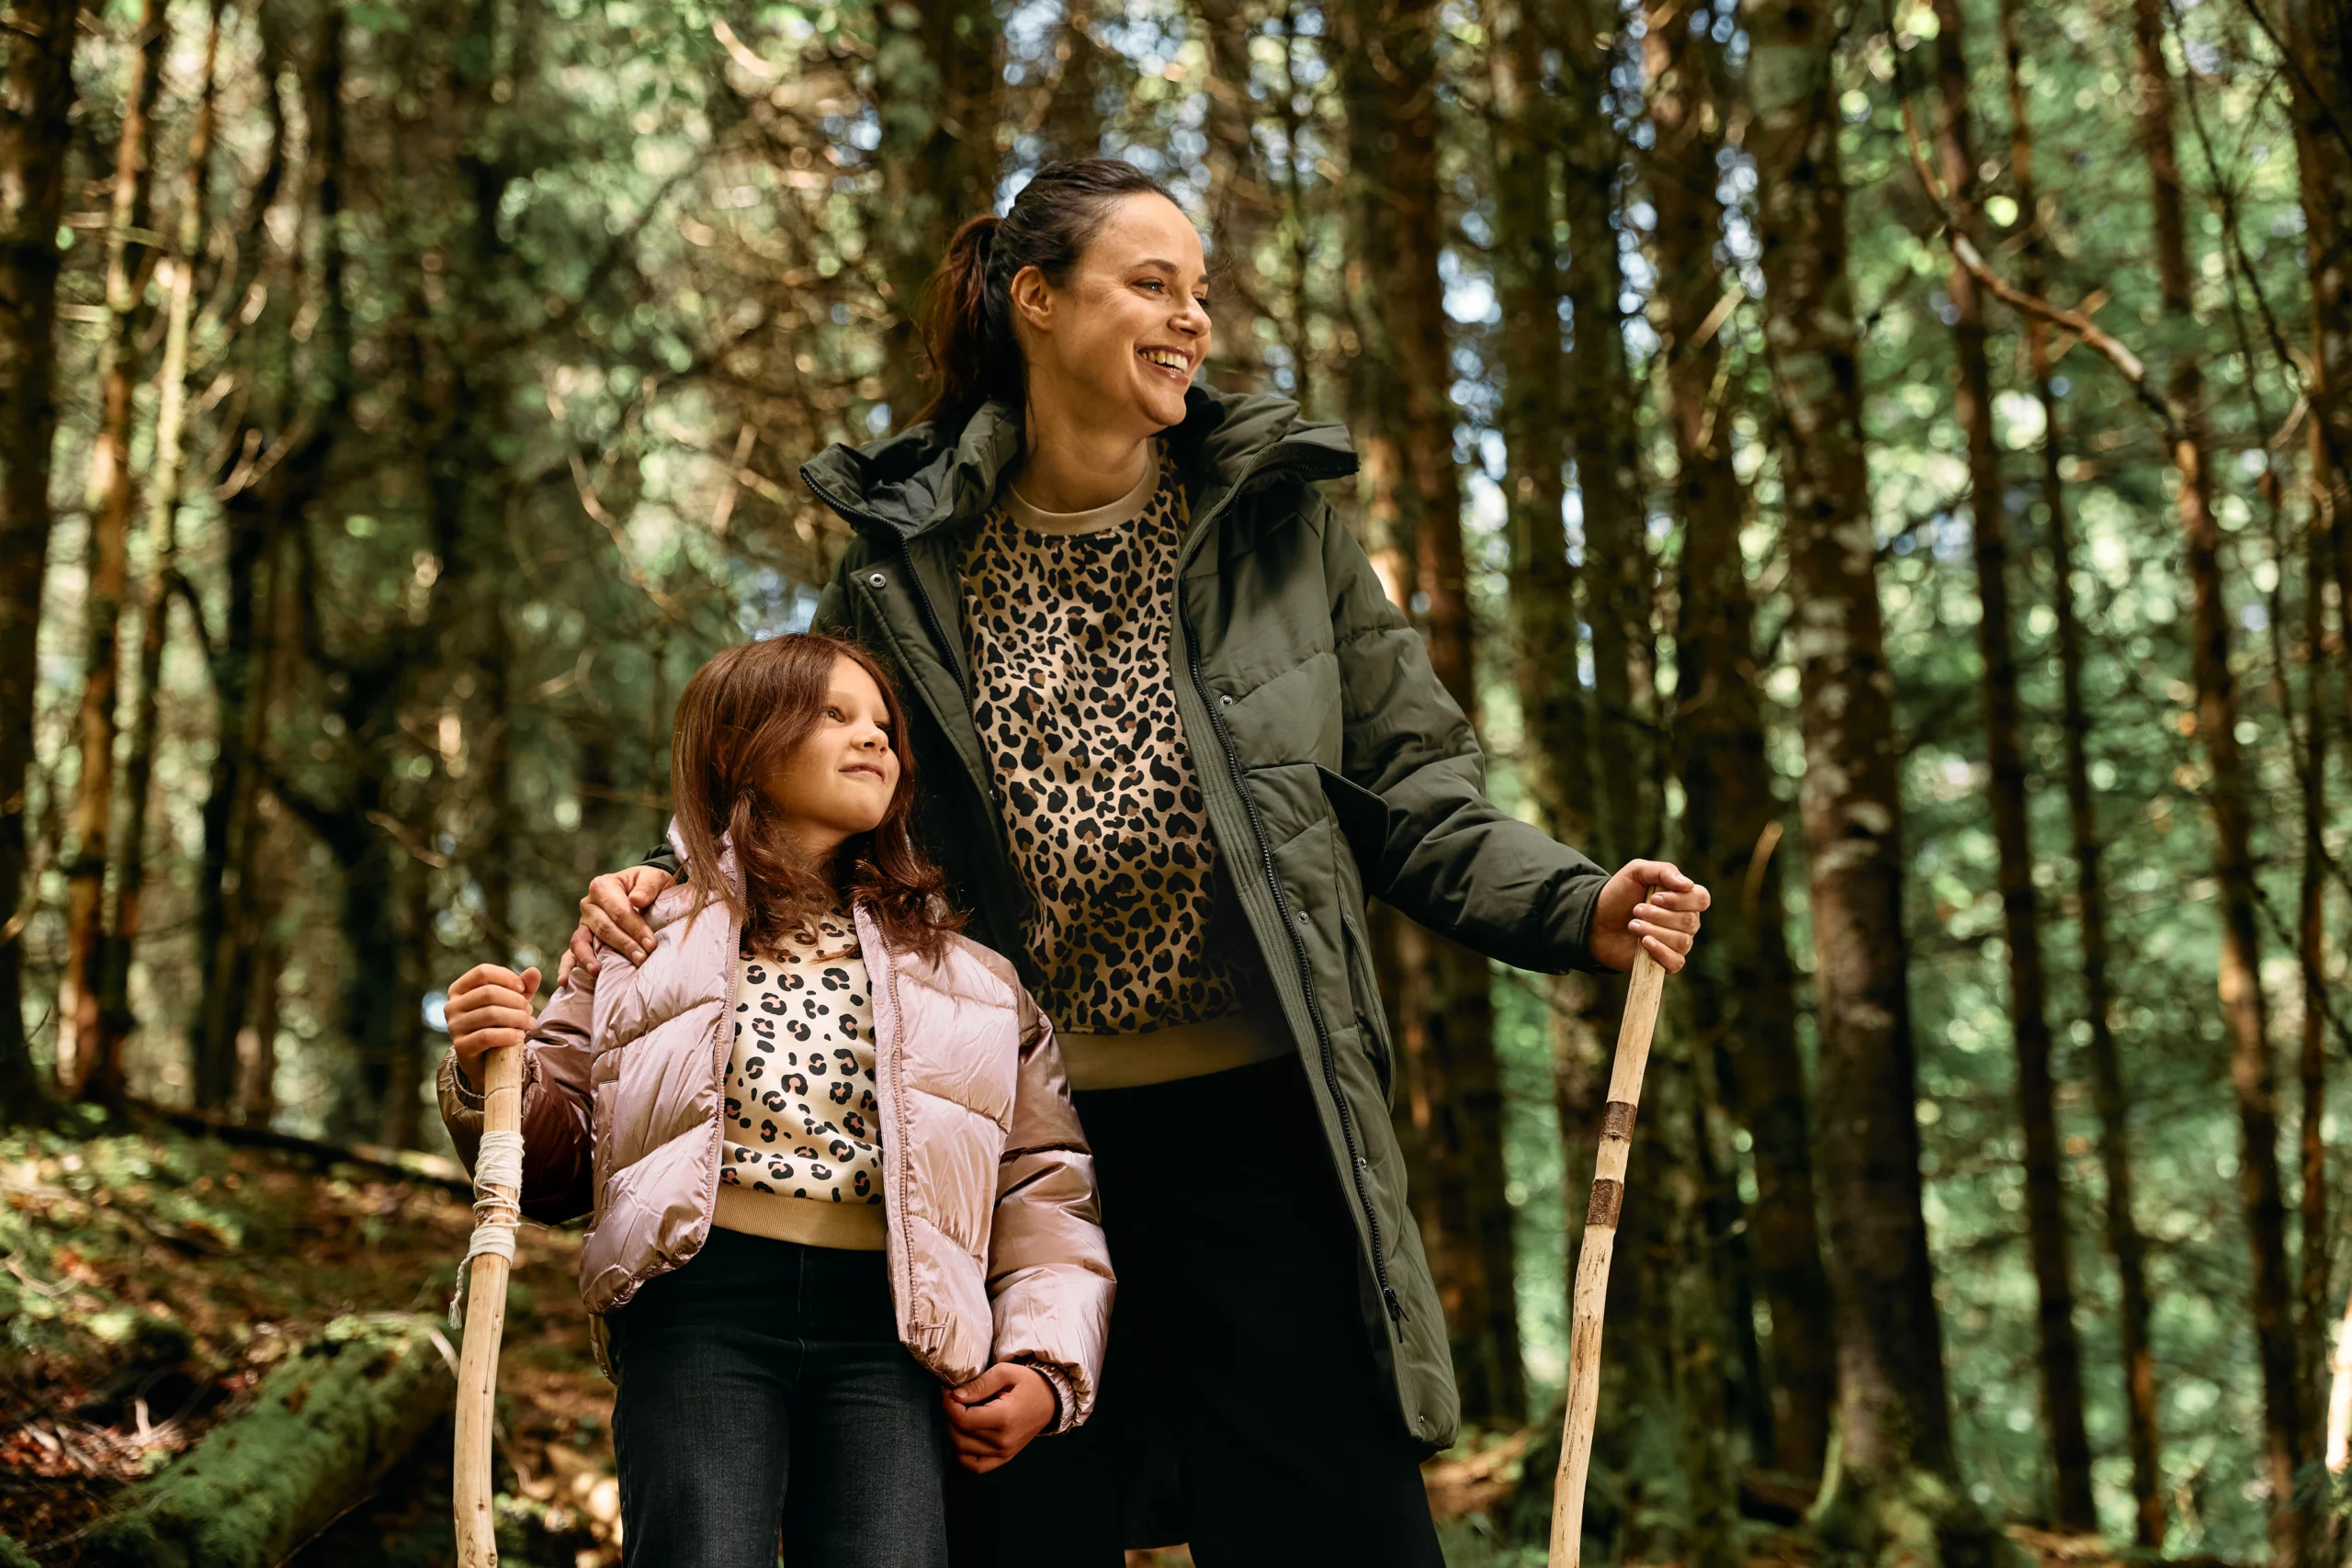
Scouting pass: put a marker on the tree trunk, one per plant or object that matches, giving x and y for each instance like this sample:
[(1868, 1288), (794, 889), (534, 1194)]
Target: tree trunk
[(1600, 404), (1242, 204), (2059, 1356), (2313, 1319), (36, 97), (937, 82), (240, 660), (2319, 82), (256, 1100), (1532, 419), (1299, 241), (250, 532), (2123, 1236), (115, 1018), (1072, 125), (1546, 640), (1389, 78), (2253, 1071), (1893, 1415), (79, 1029), (1742, 991)]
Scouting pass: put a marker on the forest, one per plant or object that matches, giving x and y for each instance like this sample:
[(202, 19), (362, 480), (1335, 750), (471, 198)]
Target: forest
[(1892, 458)]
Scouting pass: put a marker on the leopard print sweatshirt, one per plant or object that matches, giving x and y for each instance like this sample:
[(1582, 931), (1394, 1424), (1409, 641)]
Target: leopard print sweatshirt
[(800, 1155), (1068, 620)]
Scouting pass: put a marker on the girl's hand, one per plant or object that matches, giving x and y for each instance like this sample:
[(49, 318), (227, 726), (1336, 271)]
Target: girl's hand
[(992, 1417), (609, 914), (489, 1009), (1647, 906)]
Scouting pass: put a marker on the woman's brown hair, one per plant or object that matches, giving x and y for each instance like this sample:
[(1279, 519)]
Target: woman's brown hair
[(740, 720), (965, 315)]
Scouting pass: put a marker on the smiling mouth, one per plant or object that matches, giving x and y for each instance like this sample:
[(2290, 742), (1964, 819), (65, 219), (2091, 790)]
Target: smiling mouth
[(1168, 359), (868, 769)]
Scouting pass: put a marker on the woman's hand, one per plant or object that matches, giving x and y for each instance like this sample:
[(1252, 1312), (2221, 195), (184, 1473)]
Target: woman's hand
[(489, 1009), (1649, 906), (992, 1417), (609, 914)]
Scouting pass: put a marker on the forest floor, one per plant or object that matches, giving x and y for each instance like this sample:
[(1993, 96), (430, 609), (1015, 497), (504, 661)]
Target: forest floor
[(149, 1280)]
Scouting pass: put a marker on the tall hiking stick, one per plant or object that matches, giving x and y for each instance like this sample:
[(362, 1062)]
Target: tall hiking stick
[(1592, 1295), (498, 1187)]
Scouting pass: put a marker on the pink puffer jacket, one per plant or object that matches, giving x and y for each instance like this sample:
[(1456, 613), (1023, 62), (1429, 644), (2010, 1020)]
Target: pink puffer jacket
[(994, 1250)]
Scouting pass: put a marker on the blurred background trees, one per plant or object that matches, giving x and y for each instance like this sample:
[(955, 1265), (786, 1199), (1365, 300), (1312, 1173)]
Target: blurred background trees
[(1893, 459)]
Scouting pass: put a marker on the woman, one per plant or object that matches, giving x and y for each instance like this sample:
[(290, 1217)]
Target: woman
[(1175, 735)]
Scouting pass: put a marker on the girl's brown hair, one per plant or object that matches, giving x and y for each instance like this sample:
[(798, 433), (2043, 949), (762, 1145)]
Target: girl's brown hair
[(740, 720), (965, 316)]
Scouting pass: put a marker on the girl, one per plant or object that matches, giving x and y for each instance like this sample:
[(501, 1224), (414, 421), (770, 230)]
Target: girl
[(826, 1140), (1181, 734)]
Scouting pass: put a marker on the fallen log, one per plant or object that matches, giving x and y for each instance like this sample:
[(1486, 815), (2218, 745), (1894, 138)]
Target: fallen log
[(324, 1425), (412, 1165)]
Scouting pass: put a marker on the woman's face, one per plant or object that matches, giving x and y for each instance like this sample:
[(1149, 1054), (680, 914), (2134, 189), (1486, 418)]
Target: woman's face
[(838, 783), (1120, 342)]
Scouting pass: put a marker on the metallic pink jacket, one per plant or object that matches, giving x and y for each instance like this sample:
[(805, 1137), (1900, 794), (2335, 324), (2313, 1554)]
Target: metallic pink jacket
[(994, 1249)]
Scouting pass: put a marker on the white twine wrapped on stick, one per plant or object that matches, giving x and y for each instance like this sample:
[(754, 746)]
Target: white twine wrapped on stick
[(1591, 1294), (481, 1303), (498, 1178)]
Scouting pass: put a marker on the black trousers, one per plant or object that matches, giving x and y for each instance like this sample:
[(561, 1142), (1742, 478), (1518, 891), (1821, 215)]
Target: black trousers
[(1241, 1408), (762, 1388)]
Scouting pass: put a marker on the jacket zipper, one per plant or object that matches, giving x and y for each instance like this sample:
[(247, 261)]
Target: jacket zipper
[(1357, 1164), (932, 623), (900, 1249)]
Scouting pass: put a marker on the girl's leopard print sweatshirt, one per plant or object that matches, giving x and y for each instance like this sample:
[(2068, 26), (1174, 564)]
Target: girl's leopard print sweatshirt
[(801, 1143)]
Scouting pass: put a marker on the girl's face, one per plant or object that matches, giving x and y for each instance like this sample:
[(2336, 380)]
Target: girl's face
[(839, 783), (1122, 339)]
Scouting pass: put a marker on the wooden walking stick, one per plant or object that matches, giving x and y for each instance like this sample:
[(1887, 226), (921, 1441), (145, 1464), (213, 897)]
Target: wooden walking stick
[(480, 1305), (1592, 1295)]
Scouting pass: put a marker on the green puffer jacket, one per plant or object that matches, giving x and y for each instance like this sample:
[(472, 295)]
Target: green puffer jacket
[(1334, 764)]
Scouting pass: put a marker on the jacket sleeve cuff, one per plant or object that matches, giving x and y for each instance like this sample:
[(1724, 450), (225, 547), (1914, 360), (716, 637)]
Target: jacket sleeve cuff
[(1066, 1412), (1577, 903), (462, 1106), (662, 858)]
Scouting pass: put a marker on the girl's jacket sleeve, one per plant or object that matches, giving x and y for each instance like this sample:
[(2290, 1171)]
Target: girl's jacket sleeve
[(1048, 1267), (558, 1155)]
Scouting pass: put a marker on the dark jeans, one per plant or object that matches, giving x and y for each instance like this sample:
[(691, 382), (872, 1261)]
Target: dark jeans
[(1241, 1407), (762, 1386)]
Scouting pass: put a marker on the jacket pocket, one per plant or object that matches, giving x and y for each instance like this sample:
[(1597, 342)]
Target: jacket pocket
[(1363, 815), (1372, 1018)]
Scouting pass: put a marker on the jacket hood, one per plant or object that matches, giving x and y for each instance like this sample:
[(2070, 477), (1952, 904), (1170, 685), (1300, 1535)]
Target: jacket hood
[(935, 474)]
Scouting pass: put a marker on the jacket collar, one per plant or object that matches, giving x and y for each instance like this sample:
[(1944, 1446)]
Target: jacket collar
[(933, 476)]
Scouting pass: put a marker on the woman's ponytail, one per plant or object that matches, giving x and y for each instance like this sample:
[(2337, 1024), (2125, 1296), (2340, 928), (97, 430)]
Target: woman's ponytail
[(953, 317), (965, 315)]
